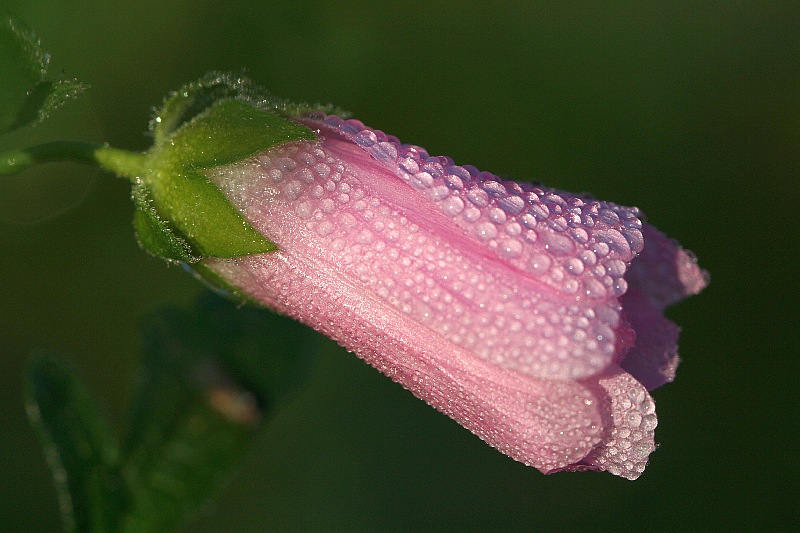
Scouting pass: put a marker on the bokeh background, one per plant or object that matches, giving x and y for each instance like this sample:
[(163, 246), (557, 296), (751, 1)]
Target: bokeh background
[(689, 110)]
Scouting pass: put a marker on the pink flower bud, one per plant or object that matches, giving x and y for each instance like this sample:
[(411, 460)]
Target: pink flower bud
[(531, 316)]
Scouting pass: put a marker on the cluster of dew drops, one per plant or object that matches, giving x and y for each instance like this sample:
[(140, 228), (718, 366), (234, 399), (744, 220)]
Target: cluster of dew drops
[(573, 243)]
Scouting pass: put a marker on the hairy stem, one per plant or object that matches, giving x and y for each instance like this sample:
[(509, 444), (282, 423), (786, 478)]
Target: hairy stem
[(121, 162)]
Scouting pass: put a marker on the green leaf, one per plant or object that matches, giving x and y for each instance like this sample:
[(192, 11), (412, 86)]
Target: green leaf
[(79, 446), (197, 407), (26, 96), (190, 424)]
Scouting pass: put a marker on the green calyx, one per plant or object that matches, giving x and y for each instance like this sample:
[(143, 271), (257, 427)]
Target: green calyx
[(180, 214)]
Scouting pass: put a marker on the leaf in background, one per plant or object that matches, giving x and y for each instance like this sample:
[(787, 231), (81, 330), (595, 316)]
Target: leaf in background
[(26, 97), (198, 405), (79, 447)]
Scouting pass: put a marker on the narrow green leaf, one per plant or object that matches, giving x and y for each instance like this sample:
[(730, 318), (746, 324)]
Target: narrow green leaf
[(79, 446), (26, 96)]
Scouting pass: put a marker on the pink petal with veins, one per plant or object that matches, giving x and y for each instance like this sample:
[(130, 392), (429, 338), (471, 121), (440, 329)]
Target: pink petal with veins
[(497, 303)]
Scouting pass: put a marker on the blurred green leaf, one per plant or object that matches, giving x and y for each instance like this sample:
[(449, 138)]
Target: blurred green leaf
[(79, 446), (199, 401), (26, 97)]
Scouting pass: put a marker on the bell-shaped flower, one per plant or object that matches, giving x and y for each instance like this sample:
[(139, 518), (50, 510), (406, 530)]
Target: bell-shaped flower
[(531, 316)]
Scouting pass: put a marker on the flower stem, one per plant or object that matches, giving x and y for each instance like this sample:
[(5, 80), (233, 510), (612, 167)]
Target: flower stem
[(123, 163)]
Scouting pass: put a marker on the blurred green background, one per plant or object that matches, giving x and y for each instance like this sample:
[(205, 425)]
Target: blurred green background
[(689, 110)]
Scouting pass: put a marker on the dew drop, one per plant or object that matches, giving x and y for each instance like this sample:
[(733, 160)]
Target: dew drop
[(539, 211), (512, 204), (409, 165), (454, 182), (452, 206), (571, 286), (486, 231), (293, 189), (513, 229), (327, 205), (615, 268), (384, 151), (647, 406), (539, 264), (496, 215), (478, 197), (494, 188), (594, 289), (510, 248), (559, 244), (422, 180), (304, 209), (471, 214), (574, 266), (588, 257), (601, 249), (580, 235), (325, 228), (609, 217), (528, 220), (440, 192), (649, 422), (322, 170), (366, 138)]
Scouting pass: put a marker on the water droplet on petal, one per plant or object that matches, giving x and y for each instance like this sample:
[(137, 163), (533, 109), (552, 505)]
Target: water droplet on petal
[(510, 248), (365, 138), (478, 197), (486, 231), (539, 264), (452, 206), (574, 266), (496, 215)]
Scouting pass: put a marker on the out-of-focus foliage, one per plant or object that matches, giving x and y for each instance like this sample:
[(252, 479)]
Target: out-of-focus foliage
[(207, 382), (26, 96)]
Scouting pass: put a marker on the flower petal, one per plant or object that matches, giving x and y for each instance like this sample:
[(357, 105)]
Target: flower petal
[(664, 271), (542, 423), (513, 292), (630, 438), (654, 357)]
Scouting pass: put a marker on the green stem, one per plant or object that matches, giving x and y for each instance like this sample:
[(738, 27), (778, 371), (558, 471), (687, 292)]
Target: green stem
[(123, 163)]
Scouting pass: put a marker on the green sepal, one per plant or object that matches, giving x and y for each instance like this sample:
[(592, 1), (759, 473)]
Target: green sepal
[(190, 217), (192, 99), (26, 96), (82, 452), (219, 285), (228, 131), (154, 234)]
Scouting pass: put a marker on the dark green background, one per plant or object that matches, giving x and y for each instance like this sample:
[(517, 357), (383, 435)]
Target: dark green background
[(690, 111)]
